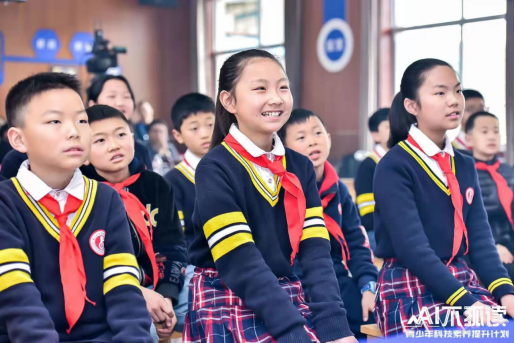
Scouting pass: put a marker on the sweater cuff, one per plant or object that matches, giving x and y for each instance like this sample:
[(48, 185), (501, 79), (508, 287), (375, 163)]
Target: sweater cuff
[(169, 290), (463, 298), (332, 328), (501, 288), (297, 335), (362, 281)]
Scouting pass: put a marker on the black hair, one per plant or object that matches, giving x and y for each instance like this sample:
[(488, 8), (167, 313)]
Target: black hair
[(156, 122), (230, 74), (23, 92), (377, 118), (102, 112), (472, 93), (188, 105), (299, 115), (97, 85), (471, 121), (413, 77)]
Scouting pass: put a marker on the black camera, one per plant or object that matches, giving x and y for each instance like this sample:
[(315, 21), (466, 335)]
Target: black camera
[(103, 56)]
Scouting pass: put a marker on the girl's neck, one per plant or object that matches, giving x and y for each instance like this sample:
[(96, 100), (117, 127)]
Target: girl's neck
[(264, 141), (115, 177), (437, 136), (319, 171)]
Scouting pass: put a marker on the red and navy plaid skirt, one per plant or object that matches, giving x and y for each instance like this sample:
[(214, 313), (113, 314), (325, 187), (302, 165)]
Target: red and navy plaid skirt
[(401, 295), (216, 314)]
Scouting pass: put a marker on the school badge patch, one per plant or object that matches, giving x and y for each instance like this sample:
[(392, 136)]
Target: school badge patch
[(96, 242), (469, 194)]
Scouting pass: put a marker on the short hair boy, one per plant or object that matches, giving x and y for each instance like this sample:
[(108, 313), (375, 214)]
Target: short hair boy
[(193, 118), (157, 236), (495, 179), (474, 102), (305, 133), (68, 267), (379, 127)]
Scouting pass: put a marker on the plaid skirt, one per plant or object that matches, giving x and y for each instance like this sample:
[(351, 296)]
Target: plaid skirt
[(402, 295), (216, 314)]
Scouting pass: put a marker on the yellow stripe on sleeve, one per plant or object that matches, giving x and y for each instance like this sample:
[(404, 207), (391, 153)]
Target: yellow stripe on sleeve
[(230, 243), (315, 212), (364, 198), (221, 221), (181, 215), (123, 259), (13, 278), (366, 210), (120, 280), (315, 232), (13, 255), (456, 295), (498, 282)]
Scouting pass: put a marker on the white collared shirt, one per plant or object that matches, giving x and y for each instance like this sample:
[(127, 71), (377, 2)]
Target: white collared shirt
[(460, 141), (38, 189), (192, 159), (379, 151), (430, 149), (255, 151)]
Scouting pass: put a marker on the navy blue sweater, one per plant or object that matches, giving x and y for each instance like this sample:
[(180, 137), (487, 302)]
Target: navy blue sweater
[(241, 230), (183, 184), (31, 293), (414, 222), (343, 211), (363, 183)]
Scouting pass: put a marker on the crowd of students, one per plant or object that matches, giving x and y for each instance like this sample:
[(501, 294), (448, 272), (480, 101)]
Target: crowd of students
[(252, 237)]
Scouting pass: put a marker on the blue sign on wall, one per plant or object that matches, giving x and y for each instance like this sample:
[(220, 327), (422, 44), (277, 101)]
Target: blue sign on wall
[(335, 42), (46, 45)]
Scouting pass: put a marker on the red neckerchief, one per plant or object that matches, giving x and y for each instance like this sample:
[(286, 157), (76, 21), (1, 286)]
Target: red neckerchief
[(294, 199), (457, 200)]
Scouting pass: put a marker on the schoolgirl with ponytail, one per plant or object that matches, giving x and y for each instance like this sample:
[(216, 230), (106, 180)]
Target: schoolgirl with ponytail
[(429, 211), (257, 208)]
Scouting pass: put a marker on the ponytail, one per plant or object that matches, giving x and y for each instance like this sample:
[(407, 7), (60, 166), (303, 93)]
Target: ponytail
[(413, 77), (230, 74)]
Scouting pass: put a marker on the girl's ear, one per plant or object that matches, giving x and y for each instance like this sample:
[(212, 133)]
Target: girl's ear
[(227, 101), (411, 106)]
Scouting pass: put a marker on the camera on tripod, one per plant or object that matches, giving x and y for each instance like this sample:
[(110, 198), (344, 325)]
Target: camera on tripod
[(103, 56)]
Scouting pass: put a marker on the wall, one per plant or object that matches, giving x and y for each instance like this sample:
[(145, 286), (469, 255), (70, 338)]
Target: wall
[(333, 96), (157, 39)]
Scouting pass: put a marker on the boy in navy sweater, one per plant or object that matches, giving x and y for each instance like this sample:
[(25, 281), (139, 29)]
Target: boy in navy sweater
[(157, 236), (68, 269), (305, 133), (496, 181), (380, 130), (193, 117)]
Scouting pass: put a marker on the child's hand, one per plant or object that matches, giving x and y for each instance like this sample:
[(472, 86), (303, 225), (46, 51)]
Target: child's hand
[(505, 254), (350, 339), (367, 304), (507, 300), (165, 330), (160, 309)]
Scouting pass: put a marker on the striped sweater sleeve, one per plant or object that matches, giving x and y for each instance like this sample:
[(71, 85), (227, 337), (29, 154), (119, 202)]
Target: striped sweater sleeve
[(363, 184), (22, 313), (238, 261), (402, 222), (121, 284), (329, 316)]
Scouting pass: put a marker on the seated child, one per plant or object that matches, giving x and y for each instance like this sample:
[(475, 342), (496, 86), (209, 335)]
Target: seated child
[(68, 271), (305, 133), (157, 237), (496, 181), (379, 127), (474, 102), (193, 117)]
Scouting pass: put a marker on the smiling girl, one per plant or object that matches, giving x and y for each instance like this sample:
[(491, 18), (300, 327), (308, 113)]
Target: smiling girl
[(258, 207), (429, 211)]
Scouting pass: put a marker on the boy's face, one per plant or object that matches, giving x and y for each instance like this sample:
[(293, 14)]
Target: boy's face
[(383, 133), (158, 135), (472, 105), (485, 138), (113, 145), (55, 133), (196, 132), (311, 139)]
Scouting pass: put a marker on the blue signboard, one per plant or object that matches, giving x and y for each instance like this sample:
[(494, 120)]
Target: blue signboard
[(335, 42)]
